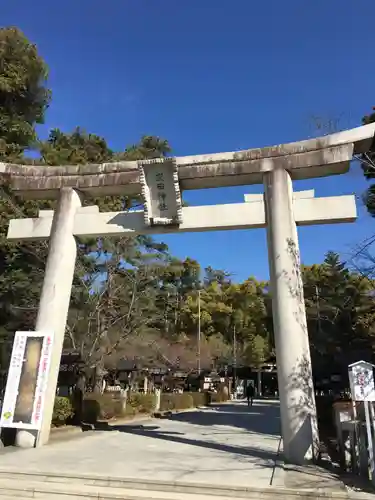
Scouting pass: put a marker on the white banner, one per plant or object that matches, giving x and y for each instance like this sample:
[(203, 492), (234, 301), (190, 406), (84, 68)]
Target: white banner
[(161, 192), (361, 377), (27, 380)]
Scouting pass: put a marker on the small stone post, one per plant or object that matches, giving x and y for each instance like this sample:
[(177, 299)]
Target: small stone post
[(157, 399), (259, 382)]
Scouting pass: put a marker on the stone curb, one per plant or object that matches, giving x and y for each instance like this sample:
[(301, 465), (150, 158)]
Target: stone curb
[(169, 413), (196, 408), (157, 414), (68, 430), (125, 420)]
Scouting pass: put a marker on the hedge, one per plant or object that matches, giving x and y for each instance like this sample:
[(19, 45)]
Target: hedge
[(102, 407), (188, 400), (219, 397), (200, 398), (62, 411), (173, 401), (108, 406), (142, 403)]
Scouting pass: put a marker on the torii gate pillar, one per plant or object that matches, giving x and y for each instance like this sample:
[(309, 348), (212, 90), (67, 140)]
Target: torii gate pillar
[(54, 304), (297, 399)]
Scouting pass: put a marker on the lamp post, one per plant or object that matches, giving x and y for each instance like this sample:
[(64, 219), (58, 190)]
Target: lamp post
[(234, 358)]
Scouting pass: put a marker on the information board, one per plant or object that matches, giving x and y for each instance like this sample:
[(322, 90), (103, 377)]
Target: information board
[(27, 380), (361, 377)]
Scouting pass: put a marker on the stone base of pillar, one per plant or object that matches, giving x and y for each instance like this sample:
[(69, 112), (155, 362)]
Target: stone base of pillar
[(26, 438)]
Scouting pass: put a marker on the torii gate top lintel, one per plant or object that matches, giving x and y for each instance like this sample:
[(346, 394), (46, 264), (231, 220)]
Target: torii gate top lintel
[(328, 155)]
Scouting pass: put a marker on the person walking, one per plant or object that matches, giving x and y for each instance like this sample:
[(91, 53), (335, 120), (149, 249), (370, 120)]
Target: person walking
[(78, 395), (250, 394)]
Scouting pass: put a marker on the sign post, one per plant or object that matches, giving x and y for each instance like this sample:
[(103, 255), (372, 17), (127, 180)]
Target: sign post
[(362, 386), (27, 379)]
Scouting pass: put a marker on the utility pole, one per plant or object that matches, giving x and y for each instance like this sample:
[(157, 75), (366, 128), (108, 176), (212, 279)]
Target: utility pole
[(318, 307), (199, 332), (234, 358)]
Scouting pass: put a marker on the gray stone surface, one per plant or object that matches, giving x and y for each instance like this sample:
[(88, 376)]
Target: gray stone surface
[(318, 157), (307, 212), (230, 445), (296, 388)]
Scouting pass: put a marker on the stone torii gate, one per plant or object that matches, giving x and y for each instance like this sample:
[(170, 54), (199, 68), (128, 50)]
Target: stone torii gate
[(160, 182)]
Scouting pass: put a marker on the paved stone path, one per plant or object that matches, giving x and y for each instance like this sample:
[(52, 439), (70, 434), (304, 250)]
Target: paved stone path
[(230, 444)]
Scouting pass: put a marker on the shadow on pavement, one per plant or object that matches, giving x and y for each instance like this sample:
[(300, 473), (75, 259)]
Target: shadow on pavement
[(261, 418), (177, 437)]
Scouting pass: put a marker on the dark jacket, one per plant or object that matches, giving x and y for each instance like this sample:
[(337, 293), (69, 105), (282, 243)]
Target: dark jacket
[(249, 391)]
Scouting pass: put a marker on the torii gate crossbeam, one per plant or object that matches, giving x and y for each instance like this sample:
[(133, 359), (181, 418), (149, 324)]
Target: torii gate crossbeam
[(250, 215)]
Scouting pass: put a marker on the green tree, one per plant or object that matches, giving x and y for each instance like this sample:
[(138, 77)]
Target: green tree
[(256, 351), (23, 95), (339, 304), (149, 147), (226, 309), (76, 148), (22, 263), (216, 275), (23, 101)]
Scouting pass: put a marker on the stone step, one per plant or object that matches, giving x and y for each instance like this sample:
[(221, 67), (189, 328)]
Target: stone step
[(66, 487), (65, 491)]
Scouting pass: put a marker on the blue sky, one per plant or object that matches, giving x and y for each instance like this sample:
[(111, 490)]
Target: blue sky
[(210, 76)]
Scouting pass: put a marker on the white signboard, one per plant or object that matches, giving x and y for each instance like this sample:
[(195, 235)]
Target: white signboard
[(161, 192), (361, 378), (27, 380)]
